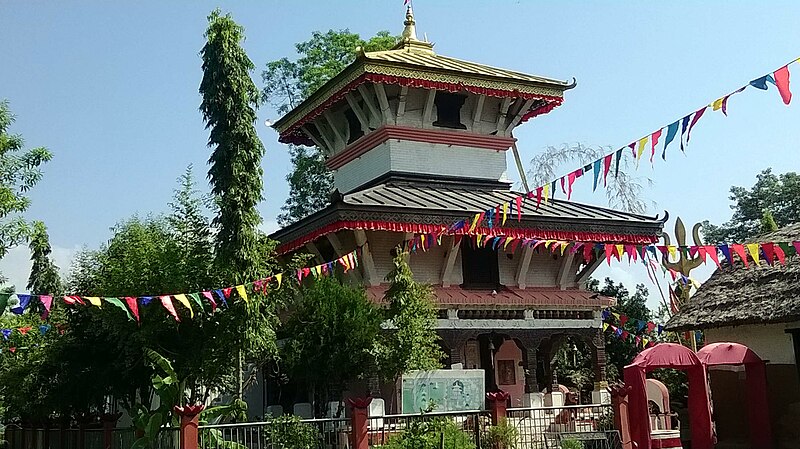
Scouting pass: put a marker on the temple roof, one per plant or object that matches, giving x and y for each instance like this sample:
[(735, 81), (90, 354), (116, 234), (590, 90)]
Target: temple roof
[(411, 205), (736, 295), (413, 63)]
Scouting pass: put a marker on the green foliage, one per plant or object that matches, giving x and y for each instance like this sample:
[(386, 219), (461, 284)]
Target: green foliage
[(777, 194), (44, 278), (620, 353), (411, 343), (330, 335), (230, 99), (19, 172), (569, 443), (574, 364), (289, 432), (767, 223), (431, 434), (501, 436), (287, 83)]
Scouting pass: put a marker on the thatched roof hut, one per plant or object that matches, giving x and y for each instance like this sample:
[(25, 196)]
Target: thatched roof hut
[(735, 296)]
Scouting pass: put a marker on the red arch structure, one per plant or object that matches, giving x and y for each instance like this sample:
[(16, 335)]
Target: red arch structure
[(716, 354), (669, 355)]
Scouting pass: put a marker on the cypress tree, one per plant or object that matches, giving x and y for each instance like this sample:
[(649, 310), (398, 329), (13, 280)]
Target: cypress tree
[(44, 278)]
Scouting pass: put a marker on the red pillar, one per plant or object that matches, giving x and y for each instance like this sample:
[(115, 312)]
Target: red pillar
[(109, 423), (497, 405), (619, 402), (359, 416), (189, 437)]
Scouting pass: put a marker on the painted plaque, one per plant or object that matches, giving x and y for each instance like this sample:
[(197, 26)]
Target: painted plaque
[(445, 389), (506, 372)]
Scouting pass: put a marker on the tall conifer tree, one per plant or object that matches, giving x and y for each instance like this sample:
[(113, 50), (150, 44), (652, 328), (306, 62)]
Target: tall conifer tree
[(230, 99), (44, 278)]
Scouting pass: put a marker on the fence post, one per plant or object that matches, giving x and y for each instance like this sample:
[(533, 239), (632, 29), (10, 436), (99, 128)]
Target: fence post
[(109, 423), (619, 403), (497, 405), (358, 417), (189, 436)]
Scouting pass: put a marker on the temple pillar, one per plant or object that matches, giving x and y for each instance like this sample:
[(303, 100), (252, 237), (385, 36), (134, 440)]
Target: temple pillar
[(529, 342), (600, 394), (455, 340)]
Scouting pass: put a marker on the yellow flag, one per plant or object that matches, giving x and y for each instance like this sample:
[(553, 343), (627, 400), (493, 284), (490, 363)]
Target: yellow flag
[(474, 222), (645, 341), (505, 214), (241, 291), (564, 246), (717, 104), (640, 149), (478, 240), (185, 301), (508, 240), (620, 250), (605, 326), (94, 300), (673, 250), (616, 315), (546, 193), (279, 277), (753, 249)]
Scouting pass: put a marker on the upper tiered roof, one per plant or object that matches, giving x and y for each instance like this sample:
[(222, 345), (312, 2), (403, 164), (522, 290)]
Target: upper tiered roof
[(413, 63)]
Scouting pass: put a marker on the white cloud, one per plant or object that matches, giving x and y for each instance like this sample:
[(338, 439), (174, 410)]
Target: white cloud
[(16, 265), (269, 226)]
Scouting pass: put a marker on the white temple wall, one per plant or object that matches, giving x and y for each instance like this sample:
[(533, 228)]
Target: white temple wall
[(769, 341)]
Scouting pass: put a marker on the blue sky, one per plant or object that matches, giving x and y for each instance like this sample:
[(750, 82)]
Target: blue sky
[(111, 89)]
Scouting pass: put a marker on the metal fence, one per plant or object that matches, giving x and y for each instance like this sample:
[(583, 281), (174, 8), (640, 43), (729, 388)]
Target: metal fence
[(328, 433), (548, 427), (443, 429)]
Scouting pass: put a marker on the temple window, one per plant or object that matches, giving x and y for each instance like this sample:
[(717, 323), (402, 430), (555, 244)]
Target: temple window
[(448, 110), (479, 267)]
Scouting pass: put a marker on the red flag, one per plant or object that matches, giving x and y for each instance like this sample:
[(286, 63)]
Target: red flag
[(769, 252), (711, 250), (650, 326), (782, 81), (518, 202), (587, 252), (653, 142), (780, 254), (133, 305), (696, 117), (739, 250), (606, 167), (24, 330), (623, 319)]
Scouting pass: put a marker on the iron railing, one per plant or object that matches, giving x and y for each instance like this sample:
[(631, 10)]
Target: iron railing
[(547, 427), (327, 433), (445, 429)]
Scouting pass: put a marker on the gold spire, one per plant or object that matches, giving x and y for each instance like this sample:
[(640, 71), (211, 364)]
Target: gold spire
[(408, 39), (410, 31)]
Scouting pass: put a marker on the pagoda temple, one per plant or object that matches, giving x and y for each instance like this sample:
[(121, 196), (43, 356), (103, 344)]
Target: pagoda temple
[(417, 141)]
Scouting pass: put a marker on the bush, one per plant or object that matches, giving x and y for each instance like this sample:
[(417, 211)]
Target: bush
[(501, 436), (431, 434), (289, 432), (569, 443)]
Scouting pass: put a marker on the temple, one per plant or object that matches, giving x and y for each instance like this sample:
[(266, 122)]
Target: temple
[(417, 141)]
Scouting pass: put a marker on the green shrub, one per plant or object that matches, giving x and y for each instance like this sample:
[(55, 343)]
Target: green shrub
[(569, 443), (289, 432), (501, 436), (431, 434)]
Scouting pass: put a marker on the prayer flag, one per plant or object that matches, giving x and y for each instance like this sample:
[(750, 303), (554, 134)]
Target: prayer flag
[(672, 131), (185, 301), (241, 291), (116, 302), (24, 301), (782, 81), (133, 305), (210, 299), (167, 303), (653, 142), (95, 301)]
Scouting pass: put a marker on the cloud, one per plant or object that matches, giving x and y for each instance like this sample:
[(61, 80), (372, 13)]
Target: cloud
[(16, 265), (269, 226)]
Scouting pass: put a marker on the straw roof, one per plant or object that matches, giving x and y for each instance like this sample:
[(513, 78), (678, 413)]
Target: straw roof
[(737, 295)]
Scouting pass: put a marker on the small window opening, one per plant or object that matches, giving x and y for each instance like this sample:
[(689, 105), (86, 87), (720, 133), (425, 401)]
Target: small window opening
[(448, 110), (479, 267), (353, 125)]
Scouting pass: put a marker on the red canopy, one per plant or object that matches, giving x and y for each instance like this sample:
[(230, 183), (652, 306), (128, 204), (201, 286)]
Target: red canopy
[(757, 409), (669, 355)]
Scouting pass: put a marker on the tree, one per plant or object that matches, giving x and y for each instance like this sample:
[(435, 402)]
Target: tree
[(19, 172), (331, 333), (623, 192), (620, 353), (410, 342), (287, 83), (44, 278), (230, 99), (778, 195), (767, 223)]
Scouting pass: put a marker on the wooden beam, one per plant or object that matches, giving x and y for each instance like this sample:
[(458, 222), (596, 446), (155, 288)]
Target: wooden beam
[(565, 273), (522, 268), (501, 117), (428, 111), (312, 248), (515, 121), (383, 100), (351, 100), (368, 100), (336, 132), (339, 250), (368, 264), (327, 138), (401, 105), (307, 129), (587, 271), (476, 118), (449, 260)]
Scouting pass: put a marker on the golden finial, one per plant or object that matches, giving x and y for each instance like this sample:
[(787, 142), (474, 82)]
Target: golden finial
[(410, 31)]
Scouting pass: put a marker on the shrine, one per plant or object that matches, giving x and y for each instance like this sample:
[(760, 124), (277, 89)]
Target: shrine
[(417, 141)]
